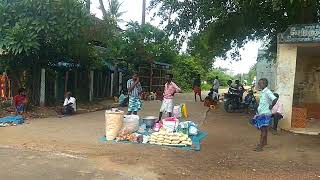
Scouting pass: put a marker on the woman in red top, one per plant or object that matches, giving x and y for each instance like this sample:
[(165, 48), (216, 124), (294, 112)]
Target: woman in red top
[(20, 101)]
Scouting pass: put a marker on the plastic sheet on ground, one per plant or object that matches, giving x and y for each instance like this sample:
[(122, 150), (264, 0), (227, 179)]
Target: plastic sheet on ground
[(13, 119)]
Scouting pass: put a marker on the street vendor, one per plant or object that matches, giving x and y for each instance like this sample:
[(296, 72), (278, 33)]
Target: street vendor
[(20, 101), (263, 118), (134, 90), (170, 88), (69, 105)]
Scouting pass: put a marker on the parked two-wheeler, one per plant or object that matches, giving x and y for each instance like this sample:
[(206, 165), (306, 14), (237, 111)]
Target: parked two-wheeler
[(233, 102)]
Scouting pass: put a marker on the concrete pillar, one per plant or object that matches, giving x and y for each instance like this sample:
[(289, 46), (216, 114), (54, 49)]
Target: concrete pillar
[(286, 70), (91, 86), (43, 87), (120, 82), (111, 84)]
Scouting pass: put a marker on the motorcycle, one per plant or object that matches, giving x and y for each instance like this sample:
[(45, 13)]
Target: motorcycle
[(233, 101)]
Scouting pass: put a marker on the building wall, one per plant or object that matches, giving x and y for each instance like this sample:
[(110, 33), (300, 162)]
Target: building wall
[(286, 68), (307, 81), (266, 69)]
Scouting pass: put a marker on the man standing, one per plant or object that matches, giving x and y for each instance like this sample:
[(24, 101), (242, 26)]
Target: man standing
[(197, 88), (216, 86), (134, 90), (170, 88), (263, 119)]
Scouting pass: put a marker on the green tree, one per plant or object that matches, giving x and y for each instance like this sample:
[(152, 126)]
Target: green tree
[(223, 76), (40, 33), (39, 27), (145, 43), (186, 68), (226, 24), (252, 73)]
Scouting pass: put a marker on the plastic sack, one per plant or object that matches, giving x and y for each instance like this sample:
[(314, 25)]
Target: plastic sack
[(193, 130), (157, 127), (170, 124), (177, 111), (114, 121), (130, 124)]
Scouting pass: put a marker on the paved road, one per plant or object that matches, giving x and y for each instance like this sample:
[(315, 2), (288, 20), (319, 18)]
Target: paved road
[(30, 165)]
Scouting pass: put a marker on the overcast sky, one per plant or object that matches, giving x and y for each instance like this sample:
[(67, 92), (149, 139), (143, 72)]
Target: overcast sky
[(133, 9)]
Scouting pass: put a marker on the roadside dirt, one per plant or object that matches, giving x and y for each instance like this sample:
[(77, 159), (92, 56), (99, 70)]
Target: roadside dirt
[(227, 152)]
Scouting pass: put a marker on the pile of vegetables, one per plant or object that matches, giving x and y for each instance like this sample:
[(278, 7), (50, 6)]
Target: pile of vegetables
[(170, 139), (134, 137)]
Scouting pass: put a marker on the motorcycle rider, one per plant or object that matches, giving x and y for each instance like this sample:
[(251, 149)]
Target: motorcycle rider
[(232, 89), (240, 89)]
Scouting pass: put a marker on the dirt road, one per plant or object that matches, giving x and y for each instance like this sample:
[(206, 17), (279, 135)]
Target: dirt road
[(226, 152)]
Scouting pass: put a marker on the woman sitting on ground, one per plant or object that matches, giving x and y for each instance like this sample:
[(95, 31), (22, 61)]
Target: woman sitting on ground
[(20, 101)]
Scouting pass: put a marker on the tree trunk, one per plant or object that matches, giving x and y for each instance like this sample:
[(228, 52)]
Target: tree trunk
[(103, 9), (88, 3), (105, 85)]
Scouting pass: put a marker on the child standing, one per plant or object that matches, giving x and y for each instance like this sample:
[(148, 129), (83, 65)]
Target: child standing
[(263, 119), (277, 113), (170, 88), (123, 99)]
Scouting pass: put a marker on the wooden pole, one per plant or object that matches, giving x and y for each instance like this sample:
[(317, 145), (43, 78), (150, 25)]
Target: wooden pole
[(66, 82), (111, 84), (43, 87), (91, 74)]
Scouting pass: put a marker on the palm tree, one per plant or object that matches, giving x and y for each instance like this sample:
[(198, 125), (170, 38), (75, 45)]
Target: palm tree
[(113, 10)]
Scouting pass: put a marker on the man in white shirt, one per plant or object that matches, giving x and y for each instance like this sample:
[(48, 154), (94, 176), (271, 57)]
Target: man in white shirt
[(215, 87), (69, 105)]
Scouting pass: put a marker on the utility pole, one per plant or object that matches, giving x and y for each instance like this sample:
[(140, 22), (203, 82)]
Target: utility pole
[(143, 12)]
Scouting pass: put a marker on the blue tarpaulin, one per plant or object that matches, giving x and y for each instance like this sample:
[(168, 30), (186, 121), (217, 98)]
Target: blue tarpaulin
[(14, 119)]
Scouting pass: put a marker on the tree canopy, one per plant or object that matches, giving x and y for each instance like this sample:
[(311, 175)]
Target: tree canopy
[(218, 26), (46, 29), (147, 43)]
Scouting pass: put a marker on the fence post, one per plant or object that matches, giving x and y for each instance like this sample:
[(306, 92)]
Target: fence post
[(111, 84), (43, 87), (91, 86), (120, 82)]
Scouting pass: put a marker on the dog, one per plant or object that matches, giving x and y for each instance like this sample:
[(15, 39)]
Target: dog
[(210, 103), (152, 96)]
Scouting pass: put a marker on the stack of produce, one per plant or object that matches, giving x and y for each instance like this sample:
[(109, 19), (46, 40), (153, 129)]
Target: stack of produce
[(134, 137), (170, 139)]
